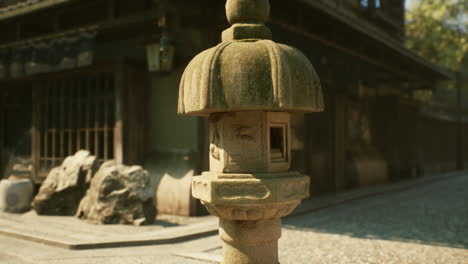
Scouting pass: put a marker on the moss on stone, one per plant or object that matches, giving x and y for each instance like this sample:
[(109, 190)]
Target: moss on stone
[(250, 75)]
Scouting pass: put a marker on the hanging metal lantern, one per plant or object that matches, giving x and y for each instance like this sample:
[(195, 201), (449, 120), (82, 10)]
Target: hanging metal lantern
[(85, 48), (69, 51), (41, 57), (160, 55), (35, 62), (54, 54)]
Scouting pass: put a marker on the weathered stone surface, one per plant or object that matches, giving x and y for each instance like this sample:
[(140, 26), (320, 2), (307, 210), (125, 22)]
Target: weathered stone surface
[(242, 11), (250, 242), (242, 31), (249, 75), (66, 185), (171, 177), (251, 212), (241, 142), (119, 194), (15, 195), (251, 188)]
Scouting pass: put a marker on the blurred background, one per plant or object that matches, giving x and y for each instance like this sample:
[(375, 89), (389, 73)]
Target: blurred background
[(103, 76)]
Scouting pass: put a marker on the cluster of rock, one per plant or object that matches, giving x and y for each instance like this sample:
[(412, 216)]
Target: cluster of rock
[(66, 185), (118, 195), (15, 195), (110, 194), (17, 189)]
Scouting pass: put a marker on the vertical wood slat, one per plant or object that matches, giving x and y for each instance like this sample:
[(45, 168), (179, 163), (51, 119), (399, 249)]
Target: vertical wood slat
[(76, 111), (96, 100), (79, 113), (87, 99), (52, 121), (112, 114), (45, 133), (70, 113), (106, 89), (35, 133), (118, 104), (61, 100)]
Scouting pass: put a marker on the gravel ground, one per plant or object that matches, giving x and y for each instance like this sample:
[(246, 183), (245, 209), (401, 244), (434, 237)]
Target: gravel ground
[(427, 224)]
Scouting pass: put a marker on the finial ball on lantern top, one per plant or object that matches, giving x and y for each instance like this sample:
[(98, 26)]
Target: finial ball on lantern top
[(247, 11)]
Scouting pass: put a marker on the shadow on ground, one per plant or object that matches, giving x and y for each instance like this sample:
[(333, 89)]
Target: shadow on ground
[(435, 214), (164, 223)]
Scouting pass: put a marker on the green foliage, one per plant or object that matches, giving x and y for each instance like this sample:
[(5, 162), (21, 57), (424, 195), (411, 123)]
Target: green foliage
[(435, 30)]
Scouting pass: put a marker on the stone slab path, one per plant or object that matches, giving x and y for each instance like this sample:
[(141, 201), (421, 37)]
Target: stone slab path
[(73, 233)]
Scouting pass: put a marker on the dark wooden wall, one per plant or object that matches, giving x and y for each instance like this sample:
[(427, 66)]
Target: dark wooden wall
[(15, 121)]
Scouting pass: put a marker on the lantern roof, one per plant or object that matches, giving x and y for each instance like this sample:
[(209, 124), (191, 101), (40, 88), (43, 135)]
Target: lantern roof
[(248, 71)]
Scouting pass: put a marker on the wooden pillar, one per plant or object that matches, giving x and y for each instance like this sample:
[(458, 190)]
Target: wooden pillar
[(118, 128), (397, 140), (459, 144), (130, 108), (36, 132), (339, 142), (419, 143)]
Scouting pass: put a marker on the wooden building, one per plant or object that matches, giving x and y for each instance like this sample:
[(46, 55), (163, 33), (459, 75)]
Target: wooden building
[(74, 74)]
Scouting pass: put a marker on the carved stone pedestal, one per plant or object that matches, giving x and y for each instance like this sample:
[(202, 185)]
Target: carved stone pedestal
[(250, 241), (250, 205)]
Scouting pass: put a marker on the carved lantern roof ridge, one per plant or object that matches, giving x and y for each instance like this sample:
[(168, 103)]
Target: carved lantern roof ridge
[(248, 71)]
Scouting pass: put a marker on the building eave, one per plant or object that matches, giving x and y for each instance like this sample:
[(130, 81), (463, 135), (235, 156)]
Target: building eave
[(379, 36), (28, 7)]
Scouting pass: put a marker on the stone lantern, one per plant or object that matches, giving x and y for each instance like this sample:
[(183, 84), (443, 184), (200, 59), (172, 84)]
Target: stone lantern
[(247, 86)]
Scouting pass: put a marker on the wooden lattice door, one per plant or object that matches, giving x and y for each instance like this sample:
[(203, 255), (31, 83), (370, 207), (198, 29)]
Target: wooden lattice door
[(100, 109), (72, 113)]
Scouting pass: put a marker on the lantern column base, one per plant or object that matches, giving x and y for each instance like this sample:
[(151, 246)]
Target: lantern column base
[(250, 242)]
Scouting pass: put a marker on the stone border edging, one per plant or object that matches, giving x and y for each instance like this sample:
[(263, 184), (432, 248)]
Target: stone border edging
[(164, 236)]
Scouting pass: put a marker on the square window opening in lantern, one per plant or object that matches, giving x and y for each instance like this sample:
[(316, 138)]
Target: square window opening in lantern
[(278, 143)]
